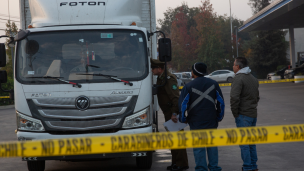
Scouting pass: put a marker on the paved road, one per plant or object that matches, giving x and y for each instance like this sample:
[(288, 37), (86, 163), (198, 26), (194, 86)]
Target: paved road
[(280, 104)]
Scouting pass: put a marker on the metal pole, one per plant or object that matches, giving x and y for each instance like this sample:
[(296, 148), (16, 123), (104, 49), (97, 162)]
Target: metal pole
[(11, 34), (9, 16), (292, 47), (236, 41), (230, 21)]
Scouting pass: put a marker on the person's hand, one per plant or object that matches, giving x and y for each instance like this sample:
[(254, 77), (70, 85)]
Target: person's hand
[(174, 118)]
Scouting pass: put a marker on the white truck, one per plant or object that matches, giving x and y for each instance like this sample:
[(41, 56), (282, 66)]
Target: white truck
[(82, 68)]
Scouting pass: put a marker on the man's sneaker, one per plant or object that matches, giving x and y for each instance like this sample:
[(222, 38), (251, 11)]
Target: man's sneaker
[(170, 167), (179, 168)]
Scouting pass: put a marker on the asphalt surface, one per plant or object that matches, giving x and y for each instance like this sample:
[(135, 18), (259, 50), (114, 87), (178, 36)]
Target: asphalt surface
[(280, 104)]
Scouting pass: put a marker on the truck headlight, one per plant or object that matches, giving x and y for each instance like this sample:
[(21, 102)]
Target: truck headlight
[(26, 123), (138, 119)]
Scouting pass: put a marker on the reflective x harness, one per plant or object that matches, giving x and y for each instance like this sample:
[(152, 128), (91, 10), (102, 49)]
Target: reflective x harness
[(202, 96)]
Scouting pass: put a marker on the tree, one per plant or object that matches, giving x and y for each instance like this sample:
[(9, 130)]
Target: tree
[(170, 16), (208, 36), (258, 5), (267, 49), (229, 55), (11, 29), (183, 44), (199, 35)]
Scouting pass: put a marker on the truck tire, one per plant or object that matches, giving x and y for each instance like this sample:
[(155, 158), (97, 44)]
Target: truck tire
[(144, 162), (36, 165)]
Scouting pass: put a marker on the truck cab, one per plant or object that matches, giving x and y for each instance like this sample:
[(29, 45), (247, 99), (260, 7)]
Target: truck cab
[(83, 69)]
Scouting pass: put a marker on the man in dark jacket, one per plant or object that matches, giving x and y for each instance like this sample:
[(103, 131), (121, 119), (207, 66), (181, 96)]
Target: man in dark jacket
[(168, 102), (202, 98), (244, 98)]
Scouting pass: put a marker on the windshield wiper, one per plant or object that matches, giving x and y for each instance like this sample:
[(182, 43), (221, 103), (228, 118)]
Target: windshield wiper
[(94, 66), (111, 77), (58, 78)]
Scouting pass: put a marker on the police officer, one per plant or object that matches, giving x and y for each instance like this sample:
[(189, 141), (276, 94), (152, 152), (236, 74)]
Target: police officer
[(168, 101)]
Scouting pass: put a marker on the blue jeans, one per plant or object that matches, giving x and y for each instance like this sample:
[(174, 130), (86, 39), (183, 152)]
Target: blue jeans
[(200, 159), (248, 152), (200, 156)]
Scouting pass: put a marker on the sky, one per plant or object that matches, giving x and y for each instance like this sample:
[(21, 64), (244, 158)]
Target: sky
[(240, 9)]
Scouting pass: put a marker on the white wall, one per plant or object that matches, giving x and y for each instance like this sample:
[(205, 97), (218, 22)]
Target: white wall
[(299, 42)]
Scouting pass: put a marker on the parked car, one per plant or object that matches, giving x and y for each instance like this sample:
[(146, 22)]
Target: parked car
[(290, 73), (188, 74), (222, 76), (185, 77), (280, 72), (179, 82)]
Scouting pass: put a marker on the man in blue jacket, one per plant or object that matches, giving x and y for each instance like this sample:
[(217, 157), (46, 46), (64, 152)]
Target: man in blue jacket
[(203, 100)]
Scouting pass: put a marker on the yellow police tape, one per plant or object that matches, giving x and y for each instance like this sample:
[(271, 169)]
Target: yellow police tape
[(263, 82), (4, 97), (153, 141)]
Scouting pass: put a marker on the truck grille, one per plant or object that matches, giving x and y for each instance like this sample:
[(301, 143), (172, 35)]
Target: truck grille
[(77, 114), (83, 125), (70, 102), (61, 114)]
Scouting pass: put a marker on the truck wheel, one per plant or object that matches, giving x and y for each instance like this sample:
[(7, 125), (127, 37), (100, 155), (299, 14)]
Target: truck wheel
[(230, 79), (144, 162), (36, 165)]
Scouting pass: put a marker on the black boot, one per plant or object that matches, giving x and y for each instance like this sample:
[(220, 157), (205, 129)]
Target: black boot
[(170, 167), (179, 168)]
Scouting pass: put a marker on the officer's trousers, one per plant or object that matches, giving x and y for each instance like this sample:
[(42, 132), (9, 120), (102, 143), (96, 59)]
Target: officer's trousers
[(179, 157)]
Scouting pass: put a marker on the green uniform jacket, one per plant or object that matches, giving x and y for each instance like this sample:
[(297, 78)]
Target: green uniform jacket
[(168, 95)]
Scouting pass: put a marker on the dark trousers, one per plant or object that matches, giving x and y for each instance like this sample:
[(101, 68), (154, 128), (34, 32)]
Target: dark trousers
[(179, 157)]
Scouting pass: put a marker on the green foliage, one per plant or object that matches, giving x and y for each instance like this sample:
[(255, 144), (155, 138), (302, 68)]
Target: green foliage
[(170, 17), (280, 67), (229, 52), (200, 35), (9, 66), (300, 74), (7, 86), (258, 5), (267, 49)]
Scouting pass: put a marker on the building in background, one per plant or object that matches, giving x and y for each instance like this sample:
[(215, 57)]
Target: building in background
[(299, 44)]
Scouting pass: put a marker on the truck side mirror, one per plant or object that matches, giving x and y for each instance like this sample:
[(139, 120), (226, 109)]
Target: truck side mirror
[(22, 34), (3, 77), (164, 48), (2, 55)]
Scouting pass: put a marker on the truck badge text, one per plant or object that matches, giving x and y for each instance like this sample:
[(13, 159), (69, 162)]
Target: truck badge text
[(91, 3)]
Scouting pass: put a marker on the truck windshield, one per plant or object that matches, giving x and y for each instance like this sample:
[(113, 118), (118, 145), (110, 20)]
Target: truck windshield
[(120, 53)]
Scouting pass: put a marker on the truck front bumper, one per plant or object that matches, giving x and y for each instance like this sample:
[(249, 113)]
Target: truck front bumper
[(39, 136), (89, 157), (21, 135)]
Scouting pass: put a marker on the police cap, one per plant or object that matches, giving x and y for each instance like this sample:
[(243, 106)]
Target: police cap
[(155, 63)]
